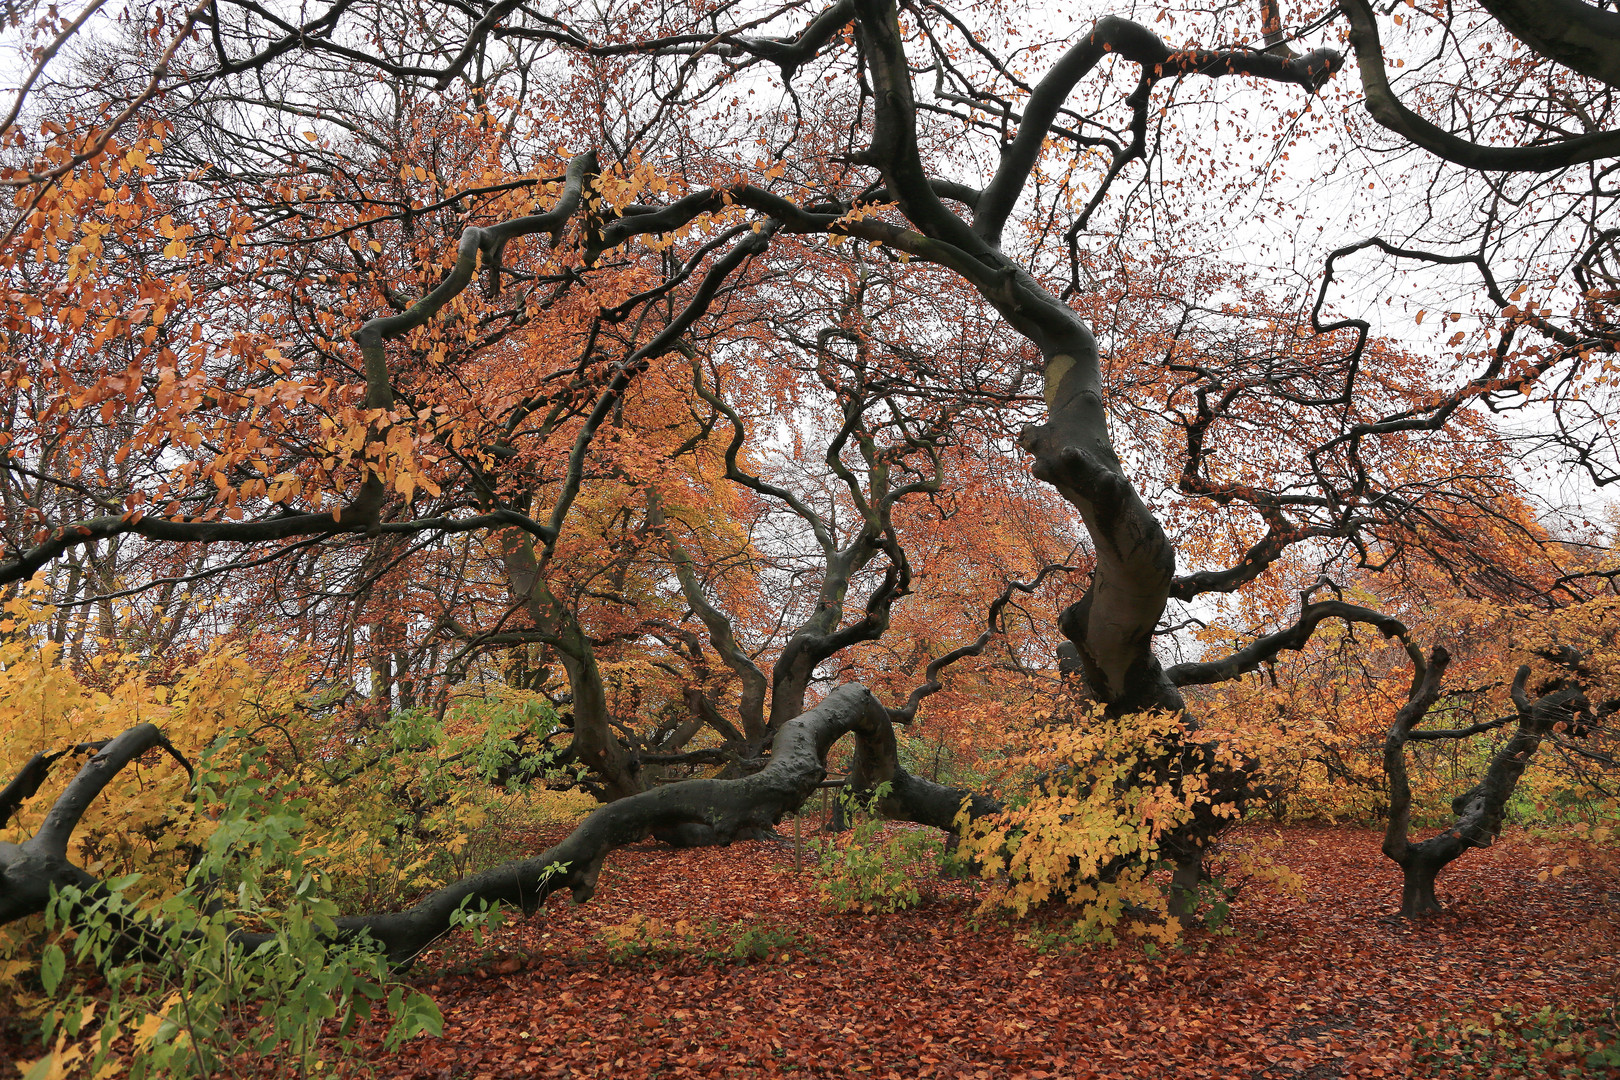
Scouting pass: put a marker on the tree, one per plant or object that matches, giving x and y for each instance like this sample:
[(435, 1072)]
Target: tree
[(1571, 711), (288, 201)]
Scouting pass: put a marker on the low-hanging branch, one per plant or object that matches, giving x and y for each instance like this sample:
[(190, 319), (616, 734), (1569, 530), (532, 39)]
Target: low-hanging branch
[(360, 513), (27, 782), (1434, 734), (30, 870), (728, 808)]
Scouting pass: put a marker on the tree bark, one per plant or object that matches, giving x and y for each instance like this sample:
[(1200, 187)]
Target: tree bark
[(595, 745), (1417, 887), (1386, 108), (1580, 36)]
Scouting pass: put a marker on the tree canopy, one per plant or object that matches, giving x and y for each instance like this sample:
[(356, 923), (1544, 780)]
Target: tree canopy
[(1181, 407)]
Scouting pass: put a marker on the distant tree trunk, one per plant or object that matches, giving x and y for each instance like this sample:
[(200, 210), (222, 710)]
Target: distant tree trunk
[(381, 675), (595, 745), (1479, 810)]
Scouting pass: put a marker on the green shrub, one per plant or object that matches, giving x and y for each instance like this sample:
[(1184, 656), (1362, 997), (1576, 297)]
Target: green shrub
[(1212, 904), (1556, 1043), (412, 804), (193, 1002), (868, 870), (1069, 934), (763, 941)]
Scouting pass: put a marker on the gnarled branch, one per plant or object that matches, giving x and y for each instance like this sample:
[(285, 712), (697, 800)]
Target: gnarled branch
[(1387, 108), (1293, 638), (726, 808)]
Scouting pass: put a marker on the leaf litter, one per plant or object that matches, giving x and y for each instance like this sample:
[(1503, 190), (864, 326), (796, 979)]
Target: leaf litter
[(1327, 986)]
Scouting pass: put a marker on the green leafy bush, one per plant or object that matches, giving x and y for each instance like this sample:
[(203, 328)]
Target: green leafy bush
[(1067, 934), (763, 941), (871, 870), (1212, 904), (417, 802), (164, 989), (1556, 1043)]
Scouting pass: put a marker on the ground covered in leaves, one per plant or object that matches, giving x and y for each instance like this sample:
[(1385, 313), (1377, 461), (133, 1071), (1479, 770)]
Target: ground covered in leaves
[(723, 962), (644, 980)]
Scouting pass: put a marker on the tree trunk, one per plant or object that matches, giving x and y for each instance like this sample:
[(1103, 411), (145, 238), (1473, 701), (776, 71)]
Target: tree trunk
[(1184, 890), (790, 683), (595, 744), (1479, 810), (1417, 887), (1112, 625)]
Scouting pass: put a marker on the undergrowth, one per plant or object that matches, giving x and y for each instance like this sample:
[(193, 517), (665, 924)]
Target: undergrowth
[(871, 869), (641, 937), (1514, 1042)]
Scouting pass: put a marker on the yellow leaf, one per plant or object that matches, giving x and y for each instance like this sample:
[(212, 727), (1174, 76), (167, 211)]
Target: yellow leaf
[(55, 1064)]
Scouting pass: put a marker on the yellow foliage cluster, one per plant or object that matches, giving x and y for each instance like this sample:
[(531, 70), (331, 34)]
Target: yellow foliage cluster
[(1317, 719), (1103, 795), (145, 816), (641, 934), (386, 814), (145, 820)]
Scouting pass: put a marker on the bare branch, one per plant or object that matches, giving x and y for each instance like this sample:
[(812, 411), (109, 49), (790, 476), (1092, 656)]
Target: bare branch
[(1293, 638), (1386, 107), (931, 683)]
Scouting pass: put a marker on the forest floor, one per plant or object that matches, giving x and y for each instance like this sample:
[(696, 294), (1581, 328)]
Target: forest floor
[(1325, 986), (642, 981)]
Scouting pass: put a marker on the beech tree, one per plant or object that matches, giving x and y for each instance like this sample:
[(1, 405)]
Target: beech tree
[(273, 182)]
